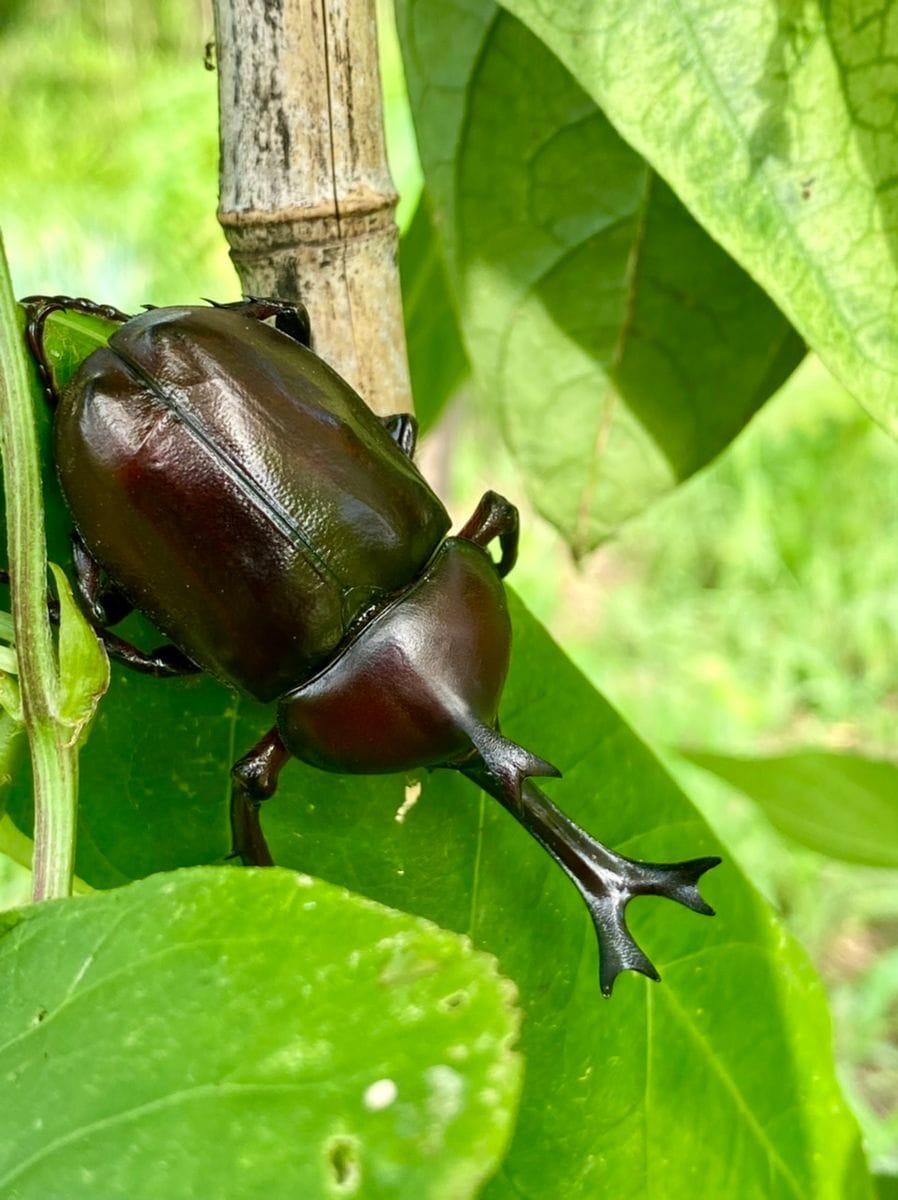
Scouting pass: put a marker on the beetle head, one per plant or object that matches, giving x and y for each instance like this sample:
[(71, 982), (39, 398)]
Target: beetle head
[(420, 684)]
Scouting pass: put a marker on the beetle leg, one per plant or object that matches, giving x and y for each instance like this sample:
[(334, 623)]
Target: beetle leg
[(606, 880), (104, 605), (254, 778), (39, 308), (163, 662), (494, 517), (403, 429), (292, 319)]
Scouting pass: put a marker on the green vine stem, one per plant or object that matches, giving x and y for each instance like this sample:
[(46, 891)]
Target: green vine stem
[(54, 750)]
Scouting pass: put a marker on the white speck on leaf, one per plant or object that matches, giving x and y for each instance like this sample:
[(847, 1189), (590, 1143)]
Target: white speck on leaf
[(446, 1088), (380, 1095)]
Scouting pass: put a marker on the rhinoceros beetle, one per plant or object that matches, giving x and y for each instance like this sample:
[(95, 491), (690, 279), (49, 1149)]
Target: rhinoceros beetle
[(224, 481)]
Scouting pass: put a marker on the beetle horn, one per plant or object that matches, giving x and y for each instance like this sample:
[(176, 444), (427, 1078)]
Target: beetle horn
[(607, 881)]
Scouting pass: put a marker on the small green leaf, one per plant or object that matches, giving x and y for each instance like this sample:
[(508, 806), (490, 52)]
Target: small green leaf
[(774, 122), (843, 805), (248, 1034), (83, 665), (620, 347), (12, 752), (11, 698)]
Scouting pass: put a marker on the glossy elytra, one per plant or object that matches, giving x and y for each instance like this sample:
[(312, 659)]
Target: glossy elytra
[(227, 483)]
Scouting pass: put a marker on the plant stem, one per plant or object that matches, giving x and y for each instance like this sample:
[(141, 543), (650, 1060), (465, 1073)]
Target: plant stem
[(53, 750), (55, 766), (20, 849)]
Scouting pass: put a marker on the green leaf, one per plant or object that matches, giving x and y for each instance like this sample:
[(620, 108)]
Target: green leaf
[(620, 346), (248, 1034), (436, 357), (12, 753), (774, 124), (10, 698), (886, 1187), (83, 665), (617, 1094), (843, 805)]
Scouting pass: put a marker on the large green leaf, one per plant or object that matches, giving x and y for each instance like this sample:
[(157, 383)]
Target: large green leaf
[(621, 347), (774, 122), (843, 805), (617, 1094), (247, 1034)]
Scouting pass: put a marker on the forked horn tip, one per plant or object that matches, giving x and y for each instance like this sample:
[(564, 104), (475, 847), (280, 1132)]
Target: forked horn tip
[(687, 892), (610, 967)]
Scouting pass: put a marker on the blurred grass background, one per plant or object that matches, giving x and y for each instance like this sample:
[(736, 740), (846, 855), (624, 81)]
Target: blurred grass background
[(754, 611)]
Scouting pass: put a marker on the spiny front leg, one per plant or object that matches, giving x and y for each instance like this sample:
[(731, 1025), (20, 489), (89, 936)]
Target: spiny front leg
[(607, 881), (289, 318)]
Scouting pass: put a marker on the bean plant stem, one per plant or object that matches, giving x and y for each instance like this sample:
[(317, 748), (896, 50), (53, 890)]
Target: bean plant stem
[(53, 750)]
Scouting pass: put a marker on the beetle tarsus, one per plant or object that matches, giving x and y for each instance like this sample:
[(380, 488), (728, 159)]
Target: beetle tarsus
[(38, 308), (495, 517), (291, 319), (606, 880), (403, 429)]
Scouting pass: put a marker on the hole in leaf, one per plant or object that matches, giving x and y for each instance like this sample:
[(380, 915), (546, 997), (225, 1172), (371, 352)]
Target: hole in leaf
[(343, 1163), (453, 1000)]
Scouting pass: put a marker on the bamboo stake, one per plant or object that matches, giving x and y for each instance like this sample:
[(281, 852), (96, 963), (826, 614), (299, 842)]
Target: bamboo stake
[(306, 195)]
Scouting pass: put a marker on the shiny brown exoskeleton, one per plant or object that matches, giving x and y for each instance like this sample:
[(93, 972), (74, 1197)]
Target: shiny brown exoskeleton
[(227, 483)]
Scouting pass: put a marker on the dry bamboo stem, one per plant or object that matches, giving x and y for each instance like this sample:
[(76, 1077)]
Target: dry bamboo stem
[(306, 195)]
